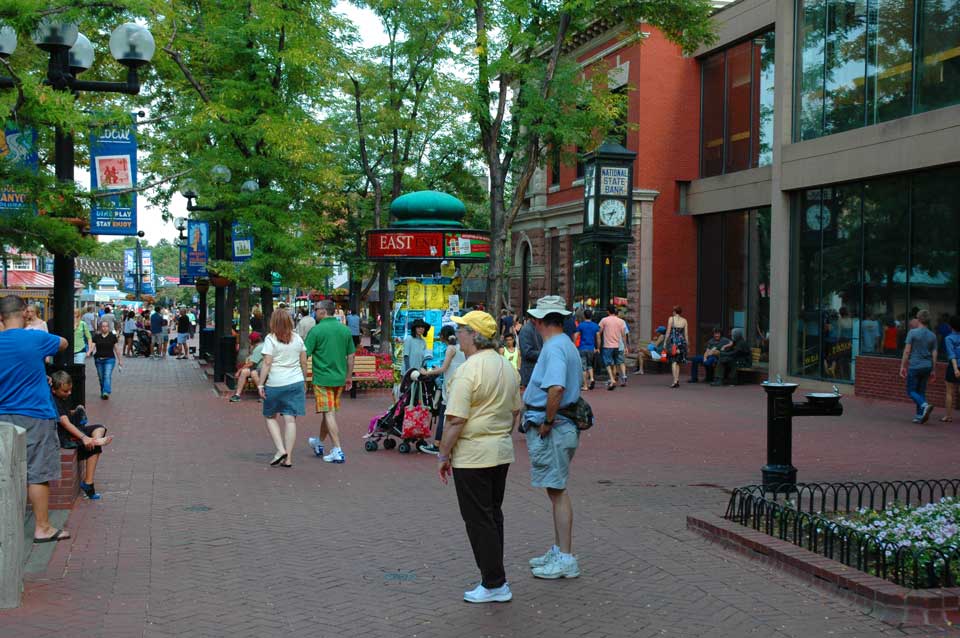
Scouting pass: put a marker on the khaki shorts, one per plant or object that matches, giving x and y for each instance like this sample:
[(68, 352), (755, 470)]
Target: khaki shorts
[(550, 457), (328, 399)]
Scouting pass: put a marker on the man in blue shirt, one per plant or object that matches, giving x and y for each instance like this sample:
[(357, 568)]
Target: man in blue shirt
[(25, 401), (552, 436), (917, 364), (588, 348), (951, 345), (157, 332)]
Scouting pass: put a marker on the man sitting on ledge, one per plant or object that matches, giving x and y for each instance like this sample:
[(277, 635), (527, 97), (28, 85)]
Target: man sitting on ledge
[(710, 358), (733, 355)]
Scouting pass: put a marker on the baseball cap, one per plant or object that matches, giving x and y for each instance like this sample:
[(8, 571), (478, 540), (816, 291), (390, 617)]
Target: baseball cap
[(478, 321)]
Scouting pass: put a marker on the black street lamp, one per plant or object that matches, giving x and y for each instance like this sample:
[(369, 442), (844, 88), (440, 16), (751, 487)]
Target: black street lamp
[(70, 55), (219, 175)]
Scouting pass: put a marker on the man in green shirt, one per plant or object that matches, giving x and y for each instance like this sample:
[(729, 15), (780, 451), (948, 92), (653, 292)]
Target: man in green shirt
[(330, 349)]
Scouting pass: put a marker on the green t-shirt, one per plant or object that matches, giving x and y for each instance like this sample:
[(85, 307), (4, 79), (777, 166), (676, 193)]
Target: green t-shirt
[(256, 357), (328, 345)]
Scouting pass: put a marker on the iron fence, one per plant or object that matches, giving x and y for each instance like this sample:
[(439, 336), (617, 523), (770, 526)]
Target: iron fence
[(800, 514)]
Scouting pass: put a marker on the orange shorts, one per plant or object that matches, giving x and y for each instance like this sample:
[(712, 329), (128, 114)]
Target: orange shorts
[(328, 399)]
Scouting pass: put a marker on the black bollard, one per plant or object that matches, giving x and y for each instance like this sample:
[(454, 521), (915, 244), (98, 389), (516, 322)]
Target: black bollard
[(779, 469)]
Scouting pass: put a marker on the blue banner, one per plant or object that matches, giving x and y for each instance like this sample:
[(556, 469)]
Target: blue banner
[(18, 146), (146, 272), (113, 167), (185, 278), (242, 239), (129, 269), (198, 235)]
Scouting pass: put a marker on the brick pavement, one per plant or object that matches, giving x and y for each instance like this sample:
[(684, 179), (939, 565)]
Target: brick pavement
[(196, 536)]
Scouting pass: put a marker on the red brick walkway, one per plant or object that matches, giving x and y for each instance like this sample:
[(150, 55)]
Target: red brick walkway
[(196, 536)]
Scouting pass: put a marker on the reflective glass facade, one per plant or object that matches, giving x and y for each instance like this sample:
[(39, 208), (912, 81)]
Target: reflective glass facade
[(733, 290), (866, 257), (860, 62), (736, 116)]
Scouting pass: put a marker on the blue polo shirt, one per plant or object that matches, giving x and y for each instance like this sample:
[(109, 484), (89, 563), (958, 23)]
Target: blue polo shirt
[(23, 377), (588, 334)]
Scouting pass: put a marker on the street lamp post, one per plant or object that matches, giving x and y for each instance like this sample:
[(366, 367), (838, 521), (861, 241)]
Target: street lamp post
[(70, 55)]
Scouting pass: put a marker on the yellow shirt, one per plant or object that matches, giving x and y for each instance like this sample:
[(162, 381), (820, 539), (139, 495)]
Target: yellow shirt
[(485, 391), (512, 357)]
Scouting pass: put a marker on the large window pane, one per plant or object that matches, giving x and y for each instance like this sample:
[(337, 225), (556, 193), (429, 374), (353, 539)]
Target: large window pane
[(885, 233), (846, 56), (620, 273), (763, 102), (935, 250), (938, 81), (586, 272), (760, 284), (890, 60), (810, 57), (840, 288), (711, 127), (739, 71), (710, 286), (736, 237), (806, 285)]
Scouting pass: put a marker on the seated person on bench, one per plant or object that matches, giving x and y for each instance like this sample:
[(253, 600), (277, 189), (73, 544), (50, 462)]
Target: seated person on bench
[(653, 350), (74, 431), (710, 357), (249, 369), (734, 355)]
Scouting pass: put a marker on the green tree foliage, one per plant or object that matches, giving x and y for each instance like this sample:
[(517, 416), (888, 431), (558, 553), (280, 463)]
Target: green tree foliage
[(528, 95)]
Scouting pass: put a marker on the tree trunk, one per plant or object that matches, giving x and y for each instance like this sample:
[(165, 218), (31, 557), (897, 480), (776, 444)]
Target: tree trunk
[(266, 302), (231, 304), (243, 296), (496, 275)]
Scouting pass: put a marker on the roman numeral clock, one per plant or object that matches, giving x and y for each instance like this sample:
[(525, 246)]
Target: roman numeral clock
[(607, 209)]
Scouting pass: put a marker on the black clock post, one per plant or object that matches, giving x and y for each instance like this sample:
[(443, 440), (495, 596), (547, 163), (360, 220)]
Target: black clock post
[(607, 208)]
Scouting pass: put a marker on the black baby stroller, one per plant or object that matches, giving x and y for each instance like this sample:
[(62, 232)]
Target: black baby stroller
[(141, 348), (388, 427)]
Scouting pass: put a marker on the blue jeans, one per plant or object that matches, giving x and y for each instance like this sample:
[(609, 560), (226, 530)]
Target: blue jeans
[(105, 373), (917, 387), (709, 363)]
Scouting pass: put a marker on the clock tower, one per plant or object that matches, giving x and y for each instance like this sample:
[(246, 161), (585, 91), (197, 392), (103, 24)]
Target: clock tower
[(607, 207)]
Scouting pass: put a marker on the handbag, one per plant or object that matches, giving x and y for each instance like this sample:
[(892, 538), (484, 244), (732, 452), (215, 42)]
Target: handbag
[(416, 417)]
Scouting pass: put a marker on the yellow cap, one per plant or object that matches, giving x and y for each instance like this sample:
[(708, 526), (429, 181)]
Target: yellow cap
[(478, 321)]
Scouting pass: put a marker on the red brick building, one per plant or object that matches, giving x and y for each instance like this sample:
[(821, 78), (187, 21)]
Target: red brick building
[(659, 269)]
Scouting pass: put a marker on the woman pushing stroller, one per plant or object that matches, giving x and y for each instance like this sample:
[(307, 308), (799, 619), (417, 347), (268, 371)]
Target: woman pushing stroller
[(452, 360)]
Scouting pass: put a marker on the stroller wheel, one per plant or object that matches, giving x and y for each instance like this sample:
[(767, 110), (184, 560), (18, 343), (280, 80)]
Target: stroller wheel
[(371, 445), (404, 448), (389, 444)]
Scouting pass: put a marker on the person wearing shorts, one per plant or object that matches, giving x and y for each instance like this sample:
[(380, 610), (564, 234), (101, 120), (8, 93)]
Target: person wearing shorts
[(331, 349), (552, 438), (282, 385), (25, 402), (157, 332), (183, 334), (74, 431)]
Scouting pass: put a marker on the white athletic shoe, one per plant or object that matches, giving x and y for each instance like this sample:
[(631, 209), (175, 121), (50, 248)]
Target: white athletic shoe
[(315, 445), (559, 567), (540, 561), (335, 456), (483, 595)]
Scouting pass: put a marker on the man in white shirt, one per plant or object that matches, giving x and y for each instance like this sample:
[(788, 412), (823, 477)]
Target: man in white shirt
[(306, 323)]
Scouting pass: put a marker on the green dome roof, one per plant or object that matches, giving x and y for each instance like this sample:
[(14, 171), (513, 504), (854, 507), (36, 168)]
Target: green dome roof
[(424, 205)]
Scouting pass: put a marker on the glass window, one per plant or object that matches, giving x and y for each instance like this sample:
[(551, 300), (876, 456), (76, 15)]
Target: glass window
[(840, 286), (586, 272), (760, 284), (812, 19), (736, 267), (711, 154), (886, 205), (620, 272), (580, 164), (556, 281), (739, 107), (808, 219), (889, 59), (555, 165), (935, 247), (845, 66), (764, 48), (710, 286), (938, 78)]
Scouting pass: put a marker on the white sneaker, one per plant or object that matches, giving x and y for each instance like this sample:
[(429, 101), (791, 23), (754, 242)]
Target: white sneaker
[(483, 595), (335, 456), (540, 561), (559, 567), (315, 445)]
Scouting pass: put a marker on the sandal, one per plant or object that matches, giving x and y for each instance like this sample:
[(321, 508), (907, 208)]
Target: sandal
[(58, 535), (946, 419), (278, 460)]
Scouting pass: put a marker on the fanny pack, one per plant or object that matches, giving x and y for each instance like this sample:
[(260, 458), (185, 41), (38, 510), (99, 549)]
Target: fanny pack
[(580, 413)]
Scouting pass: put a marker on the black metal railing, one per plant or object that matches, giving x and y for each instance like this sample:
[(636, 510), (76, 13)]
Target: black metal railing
[(800, 514)]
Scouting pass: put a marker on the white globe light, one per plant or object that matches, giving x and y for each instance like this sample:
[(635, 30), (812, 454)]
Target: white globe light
[(250, 186), (51, 34), (188, 188), (8, 41), (81, 53), (220, 174), (132, 44)]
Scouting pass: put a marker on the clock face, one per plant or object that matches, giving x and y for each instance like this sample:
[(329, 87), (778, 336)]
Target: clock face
[(818, 217), (613, 212)]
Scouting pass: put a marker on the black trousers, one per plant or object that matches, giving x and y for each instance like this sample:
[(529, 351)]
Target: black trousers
[(480, 494)]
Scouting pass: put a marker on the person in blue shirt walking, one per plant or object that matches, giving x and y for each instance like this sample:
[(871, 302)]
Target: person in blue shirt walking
[(917, 365), (588, 330), (951, 344)]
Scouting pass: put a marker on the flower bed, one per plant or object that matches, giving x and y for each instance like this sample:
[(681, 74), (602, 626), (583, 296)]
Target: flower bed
[(905, 531)]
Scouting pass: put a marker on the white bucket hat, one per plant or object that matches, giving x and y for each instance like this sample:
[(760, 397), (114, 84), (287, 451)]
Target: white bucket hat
[(551, 304)]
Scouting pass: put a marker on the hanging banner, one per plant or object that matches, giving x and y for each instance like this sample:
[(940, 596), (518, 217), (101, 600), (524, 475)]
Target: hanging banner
[(242, 239), (129, 269), (198, 234), (113, 167), (146, 272), (185, 278), (19, 147)]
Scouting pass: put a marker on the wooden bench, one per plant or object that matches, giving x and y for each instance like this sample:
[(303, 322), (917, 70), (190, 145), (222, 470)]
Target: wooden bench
[(364, 369)]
